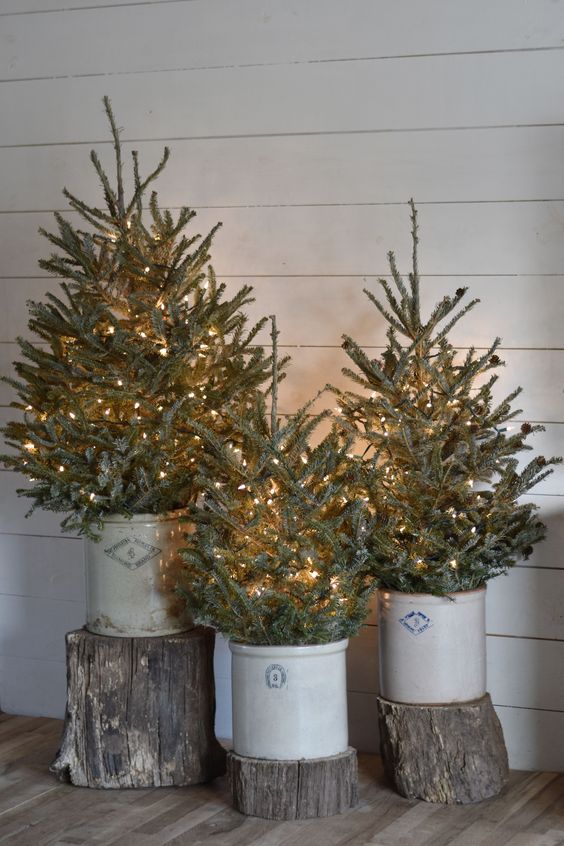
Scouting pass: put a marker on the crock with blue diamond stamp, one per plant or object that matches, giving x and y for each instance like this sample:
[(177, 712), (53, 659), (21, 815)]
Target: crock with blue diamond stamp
[(131, 573), (432, 649)]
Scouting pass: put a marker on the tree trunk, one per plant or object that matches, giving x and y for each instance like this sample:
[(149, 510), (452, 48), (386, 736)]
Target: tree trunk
[(443, 753), (140, 711), (293, 790)]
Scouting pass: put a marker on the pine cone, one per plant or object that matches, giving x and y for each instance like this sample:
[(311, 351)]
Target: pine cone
[(460, 292), (541, 461), (526, 428), (495, 360), (527, 550)]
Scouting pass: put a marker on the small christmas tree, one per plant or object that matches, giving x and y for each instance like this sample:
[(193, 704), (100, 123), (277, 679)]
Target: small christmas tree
[(279, 554), (140, 343), (448, 482)]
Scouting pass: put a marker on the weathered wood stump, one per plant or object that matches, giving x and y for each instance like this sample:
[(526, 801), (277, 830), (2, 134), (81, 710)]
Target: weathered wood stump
[(293, 790), (443, 753), (140, 711)]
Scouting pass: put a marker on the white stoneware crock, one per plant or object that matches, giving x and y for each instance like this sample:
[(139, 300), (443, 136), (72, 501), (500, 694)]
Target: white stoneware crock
[(289, 702), (131, 573), (432, 648)]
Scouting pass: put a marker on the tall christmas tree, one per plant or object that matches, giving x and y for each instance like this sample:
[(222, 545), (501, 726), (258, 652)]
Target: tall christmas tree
[(140, 342), (448, 480), (279, 554)]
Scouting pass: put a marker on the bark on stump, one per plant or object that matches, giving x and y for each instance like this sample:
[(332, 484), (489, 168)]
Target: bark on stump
[(443, 753), (140, 711), (293, 790)]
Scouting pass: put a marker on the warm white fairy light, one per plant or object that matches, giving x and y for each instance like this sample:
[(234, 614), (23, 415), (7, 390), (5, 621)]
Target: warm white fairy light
[(163, 351), (143, 334), (92, 496), (111, 330), (61, 468), (29, 446), (162, 474), (136, 405), (241, 487), (99, 402), (453, 563), (107, 411), (72, 415), (120, 383), (191, 395)]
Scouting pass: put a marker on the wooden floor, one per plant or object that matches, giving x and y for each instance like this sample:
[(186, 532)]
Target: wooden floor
[(35, 810)]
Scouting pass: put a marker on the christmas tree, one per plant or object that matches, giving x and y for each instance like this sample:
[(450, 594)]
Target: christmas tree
[(279, 553), (448, 481), (140, 342)]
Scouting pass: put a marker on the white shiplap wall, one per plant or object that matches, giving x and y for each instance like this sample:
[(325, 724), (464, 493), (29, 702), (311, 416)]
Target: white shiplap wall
[(305, 125)]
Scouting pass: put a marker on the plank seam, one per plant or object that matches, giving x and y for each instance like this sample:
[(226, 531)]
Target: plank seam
[(294, 134), (280, 63)]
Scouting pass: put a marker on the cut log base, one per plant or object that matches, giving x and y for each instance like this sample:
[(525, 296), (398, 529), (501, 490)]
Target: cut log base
[(293, 790), (452, 754), (140, 711)]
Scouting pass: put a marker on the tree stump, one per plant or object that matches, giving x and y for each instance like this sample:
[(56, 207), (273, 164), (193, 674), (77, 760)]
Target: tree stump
[(140, 711), (443, 753), (293, 790)]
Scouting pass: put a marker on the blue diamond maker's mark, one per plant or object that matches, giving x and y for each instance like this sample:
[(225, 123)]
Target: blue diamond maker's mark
[(132, 552), (416, 622)]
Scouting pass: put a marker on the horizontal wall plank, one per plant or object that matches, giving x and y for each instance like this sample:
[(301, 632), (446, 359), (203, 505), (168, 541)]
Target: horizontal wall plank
[(514, 238), (528, 602), (32, 687), (406, 93), (548, 553), (319, 310), (36, 628), (538, 372), (534, 739), (39, 567), (13, 509), (478, 165), (197, 34)]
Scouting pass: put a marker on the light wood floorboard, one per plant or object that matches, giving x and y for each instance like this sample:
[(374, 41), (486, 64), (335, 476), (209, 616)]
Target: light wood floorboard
[(36, 810)]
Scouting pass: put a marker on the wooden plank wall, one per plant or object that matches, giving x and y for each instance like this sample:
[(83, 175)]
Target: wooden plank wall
[(305, 125)]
